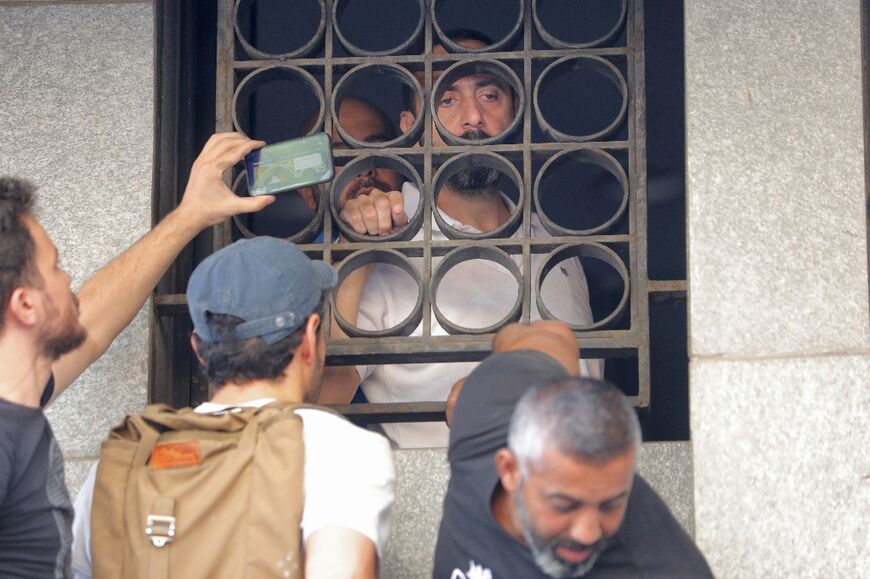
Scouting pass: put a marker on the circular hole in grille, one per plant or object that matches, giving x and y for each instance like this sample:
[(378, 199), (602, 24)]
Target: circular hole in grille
[(272, 29), (273, 104), (597, 90)]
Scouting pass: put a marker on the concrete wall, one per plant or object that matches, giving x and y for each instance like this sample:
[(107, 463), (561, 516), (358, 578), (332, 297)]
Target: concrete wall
[(779, 321), (76, 111)]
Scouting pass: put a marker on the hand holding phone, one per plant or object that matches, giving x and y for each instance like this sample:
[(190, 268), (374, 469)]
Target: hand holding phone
[(290, 165)]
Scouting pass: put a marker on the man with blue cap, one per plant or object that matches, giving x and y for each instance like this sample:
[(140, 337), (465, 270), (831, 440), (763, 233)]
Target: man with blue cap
[(256, 307)]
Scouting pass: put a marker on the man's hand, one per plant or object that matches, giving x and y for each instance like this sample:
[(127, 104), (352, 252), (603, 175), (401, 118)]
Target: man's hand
[(549, 336), (375, 213), (207, 199), (127, 281)]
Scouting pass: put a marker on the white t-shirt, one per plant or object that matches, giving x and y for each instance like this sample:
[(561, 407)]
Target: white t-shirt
[(473, 294), (349, 482)]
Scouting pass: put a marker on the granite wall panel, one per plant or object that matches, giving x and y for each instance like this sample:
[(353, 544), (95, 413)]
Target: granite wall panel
[(782, 466), (76, 87), (775, 175)]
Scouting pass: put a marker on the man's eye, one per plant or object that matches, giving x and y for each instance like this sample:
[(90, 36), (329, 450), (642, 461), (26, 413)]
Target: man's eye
[(489, 96), (609, 507), (446, 101), (563, 507)]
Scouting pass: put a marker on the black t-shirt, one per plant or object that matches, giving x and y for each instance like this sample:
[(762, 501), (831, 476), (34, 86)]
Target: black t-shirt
[(35, 510), (650, 542)]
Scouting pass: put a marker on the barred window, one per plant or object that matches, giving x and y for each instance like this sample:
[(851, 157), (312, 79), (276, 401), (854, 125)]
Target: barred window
[(591, 209)]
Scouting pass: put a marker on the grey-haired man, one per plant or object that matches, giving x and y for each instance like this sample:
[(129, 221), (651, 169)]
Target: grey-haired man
[(543, 480), (256, 310)]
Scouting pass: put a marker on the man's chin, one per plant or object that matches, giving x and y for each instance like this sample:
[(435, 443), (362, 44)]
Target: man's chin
[(59, 345)]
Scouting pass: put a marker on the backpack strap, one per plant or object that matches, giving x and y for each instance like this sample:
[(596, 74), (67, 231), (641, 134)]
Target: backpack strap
[(160, 529)]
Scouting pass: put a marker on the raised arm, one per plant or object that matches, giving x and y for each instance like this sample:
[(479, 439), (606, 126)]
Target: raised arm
[(551, 337), (340, 382), (373, 213), (113, 296)]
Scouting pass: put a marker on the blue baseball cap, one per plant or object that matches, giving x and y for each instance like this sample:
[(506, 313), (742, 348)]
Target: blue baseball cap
[(265, 281)]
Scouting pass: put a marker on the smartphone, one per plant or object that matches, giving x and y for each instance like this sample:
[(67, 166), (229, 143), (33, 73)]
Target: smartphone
[(290, 165)]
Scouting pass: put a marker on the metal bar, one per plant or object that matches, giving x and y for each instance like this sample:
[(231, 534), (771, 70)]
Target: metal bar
[(224, 84), (426, 194), (446, 58), (670, 289), (612, 344), (542, 150), (637, 172), (393, 412)]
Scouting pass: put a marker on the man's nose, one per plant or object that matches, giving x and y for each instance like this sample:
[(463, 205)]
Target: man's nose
[(586, 528), (471, 114)]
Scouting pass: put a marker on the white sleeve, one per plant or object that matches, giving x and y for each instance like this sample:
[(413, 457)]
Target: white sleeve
[(349, 477), (81, 546)]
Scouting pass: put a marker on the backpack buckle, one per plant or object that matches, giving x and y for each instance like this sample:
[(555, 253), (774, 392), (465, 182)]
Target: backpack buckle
[(161, 529)]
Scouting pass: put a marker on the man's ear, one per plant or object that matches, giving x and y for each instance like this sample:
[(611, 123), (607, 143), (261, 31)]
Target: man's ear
[(310, 339), (508, 469), (194, 344), (22, 306), (452, 397), (406, 120)]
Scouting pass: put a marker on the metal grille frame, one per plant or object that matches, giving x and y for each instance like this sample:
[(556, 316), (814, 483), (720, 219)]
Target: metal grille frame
[(595, 342)]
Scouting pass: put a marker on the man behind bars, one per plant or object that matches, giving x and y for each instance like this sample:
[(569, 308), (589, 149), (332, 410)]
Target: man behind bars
[(476, 106)]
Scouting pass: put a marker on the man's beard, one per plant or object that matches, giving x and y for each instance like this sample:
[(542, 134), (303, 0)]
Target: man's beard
[(68, 337), (476, 182), (544, 549)]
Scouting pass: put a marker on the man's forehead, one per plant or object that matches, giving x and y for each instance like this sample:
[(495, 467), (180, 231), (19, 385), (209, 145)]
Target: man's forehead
[(37, 232), (480, 79), (361, 121), (41, 241), (563, 468)]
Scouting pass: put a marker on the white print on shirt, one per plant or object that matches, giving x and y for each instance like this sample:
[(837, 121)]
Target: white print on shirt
[(474, 572), (287, 566)]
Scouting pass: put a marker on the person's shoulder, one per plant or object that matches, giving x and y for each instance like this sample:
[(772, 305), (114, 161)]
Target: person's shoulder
[(657, 542), (492, 389), (15, 419), (324, 428)]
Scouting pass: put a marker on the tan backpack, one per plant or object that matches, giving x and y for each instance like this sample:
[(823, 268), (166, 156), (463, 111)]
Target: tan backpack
[(186, 495)]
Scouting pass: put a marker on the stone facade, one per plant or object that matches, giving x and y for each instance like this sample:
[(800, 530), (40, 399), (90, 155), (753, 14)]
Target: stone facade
[(77, 94), (779, 321)]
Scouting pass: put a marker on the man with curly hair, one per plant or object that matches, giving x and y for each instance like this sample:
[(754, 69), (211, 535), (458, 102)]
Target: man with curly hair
[(49, 336)]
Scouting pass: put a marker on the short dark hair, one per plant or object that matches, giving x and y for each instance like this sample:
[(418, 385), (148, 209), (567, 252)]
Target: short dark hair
[(16, 243), (240, 361), (456, 35)]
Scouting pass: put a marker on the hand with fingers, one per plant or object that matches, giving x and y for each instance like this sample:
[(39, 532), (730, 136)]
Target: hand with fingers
[(375, 213), (207, 198)]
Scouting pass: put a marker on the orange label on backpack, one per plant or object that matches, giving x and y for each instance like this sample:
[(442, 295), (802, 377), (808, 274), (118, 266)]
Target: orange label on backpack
[(175, 455)]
